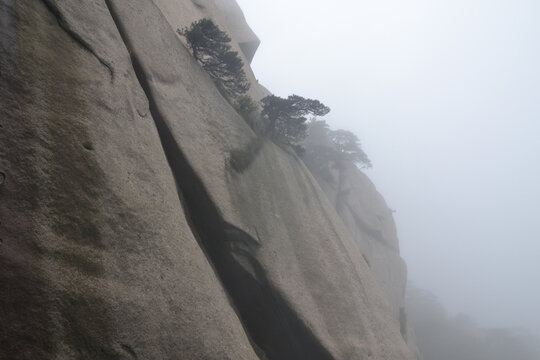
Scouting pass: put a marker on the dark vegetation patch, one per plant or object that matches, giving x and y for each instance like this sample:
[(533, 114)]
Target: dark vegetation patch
[(241, 159)]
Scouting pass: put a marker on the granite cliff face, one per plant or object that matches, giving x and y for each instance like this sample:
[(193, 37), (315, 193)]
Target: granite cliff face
[(125, 231)]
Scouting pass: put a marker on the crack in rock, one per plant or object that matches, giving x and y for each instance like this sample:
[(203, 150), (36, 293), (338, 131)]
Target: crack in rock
[(53, 8)]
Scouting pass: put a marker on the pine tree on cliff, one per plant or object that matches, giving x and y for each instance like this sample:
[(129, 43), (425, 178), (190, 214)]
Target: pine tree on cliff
[(286, 118), (336, 147), (210, 47), (349, 146)]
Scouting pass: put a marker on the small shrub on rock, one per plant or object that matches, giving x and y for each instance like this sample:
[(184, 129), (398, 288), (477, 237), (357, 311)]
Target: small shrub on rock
[(249, 109)]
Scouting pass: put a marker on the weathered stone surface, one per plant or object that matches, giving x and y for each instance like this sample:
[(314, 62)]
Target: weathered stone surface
[(126, 230), (97, 260)]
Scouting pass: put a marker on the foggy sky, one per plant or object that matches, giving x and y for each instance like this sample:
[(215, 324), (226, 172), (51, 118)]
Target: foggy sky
[(445, 97)]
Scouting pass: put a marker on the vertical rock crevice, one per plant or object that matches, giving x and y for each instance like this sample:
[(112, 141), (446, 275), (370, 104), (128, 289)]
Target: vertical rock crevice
[(52, 7), (273, 327)]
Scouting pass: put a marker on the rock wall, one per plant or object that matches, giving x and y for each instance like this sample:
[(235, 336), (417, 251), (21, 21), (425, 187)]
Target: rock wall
[(125, 231), (97, 259)]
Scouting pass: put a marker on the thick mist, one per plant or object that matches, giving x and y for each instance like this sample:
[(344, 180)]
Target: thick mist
[(445, 98)]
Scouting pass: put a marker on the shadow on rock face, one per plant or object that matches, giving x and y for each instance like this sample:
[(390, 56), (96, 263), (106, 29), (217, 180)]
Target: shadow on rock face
[(199, 4)]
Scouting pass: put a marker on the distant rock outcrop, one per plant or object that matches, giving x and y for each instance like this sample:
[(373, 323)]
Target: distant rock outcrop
[(126, 234), (366, 216), (369, 221)]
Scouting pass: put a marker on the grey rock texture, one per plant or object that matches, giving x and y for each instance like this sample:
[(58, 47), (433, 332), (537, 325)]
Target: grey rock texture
[(126, 231)]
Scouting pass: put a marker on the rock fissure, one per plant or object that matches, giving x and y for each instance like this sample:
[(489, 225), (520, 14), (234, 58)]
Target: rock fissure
[(64, 25), (275, 330)]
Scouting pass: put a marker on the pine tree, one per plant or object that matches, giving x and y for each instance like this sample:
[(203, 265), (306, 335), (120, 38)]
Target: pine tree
[(349, 146), (210, 47), (286, 118)]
